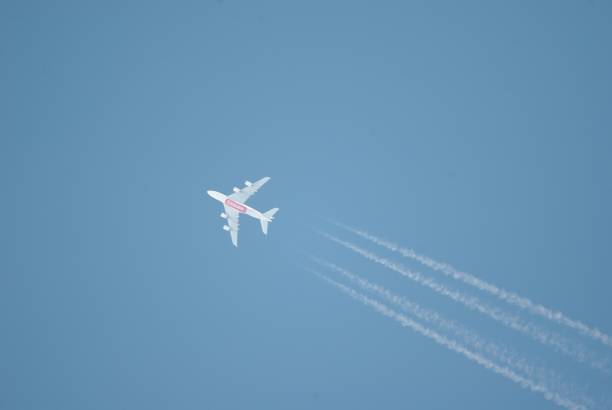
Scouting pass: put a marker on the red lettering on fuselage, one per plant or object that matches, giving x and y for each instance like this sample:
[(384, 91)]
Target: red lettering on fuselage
[(236, 205)]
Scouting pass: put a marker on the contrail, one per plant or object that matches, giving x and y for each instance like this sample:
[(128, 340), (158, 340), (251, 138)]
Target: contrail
[(455, 346), (497, 352), (543, 336), (505, 295)]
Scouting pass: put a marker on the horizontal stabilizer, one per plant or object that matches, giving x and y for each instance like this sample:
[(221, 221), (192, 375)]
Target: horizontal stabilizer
[(268, 216)]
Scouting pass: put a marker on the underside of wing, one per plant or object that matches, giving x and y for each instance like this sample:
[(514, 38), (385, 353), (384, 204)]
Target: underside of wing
[(249, 189), (234, 235), (232, 223)]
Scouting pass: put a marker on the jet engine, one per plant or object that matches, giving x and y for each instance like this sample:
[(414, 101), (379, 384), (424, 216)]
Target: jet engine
[(248, 183), (236, 189), (226, 228), (223, 215)]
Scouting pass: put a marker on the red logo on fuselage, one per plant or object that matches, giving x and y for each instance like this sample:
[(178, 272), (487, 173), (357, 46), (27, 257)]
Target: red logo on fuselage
[(236, 205)]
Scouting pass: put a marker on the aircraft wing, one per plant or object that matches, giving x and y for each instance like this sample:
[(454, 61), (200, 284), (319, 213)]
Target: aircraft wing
[(232, 222), (245, 193)]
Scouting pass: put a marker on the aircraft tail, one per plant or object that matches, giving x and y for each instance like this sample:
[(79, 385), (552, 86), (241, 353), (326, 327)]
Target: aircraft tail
[(268, 217)]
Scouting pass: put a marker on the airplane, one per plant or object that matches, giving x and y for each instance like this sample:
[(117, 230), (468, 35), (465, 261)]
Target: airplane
[(234, 205)]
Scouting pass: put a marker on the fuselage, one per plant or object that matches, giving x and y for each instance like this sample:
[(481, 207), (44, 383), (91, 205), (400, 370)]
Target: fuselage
[(238, 206)]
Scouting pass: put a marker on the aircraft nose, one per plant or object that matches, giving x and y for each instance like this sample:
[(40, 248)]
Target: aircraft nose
[(214, 195)]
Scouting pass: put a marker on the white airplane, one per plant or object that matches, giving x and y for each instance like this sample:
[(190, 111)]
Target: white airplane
[(234, 205)]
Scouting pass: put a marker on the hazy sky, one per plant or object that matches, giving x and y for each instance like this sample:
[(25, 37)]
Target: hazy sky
[(475, 132)]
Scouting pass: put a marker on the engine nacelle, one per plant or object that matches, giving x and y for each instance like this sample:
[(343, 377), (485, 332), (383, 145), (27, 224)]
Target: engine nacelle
[(223, 215), (236, 189), (226, 228), (248, 183)]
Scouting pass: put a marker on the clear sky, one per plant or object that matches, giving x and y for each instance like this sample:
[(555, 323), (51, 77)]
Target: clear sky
[(476, 132)]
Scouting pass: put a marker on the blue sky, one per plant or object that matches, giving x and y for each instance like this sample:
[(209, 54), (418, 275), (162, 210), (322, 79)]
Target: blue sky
[(475, 132)]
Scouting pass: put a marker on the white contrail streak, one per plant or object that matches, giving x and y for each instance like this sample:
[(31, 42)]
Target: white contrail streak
[(455, 346), (505, 295), (495, 351), (554, 340), (411, 307), (546, 377)]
